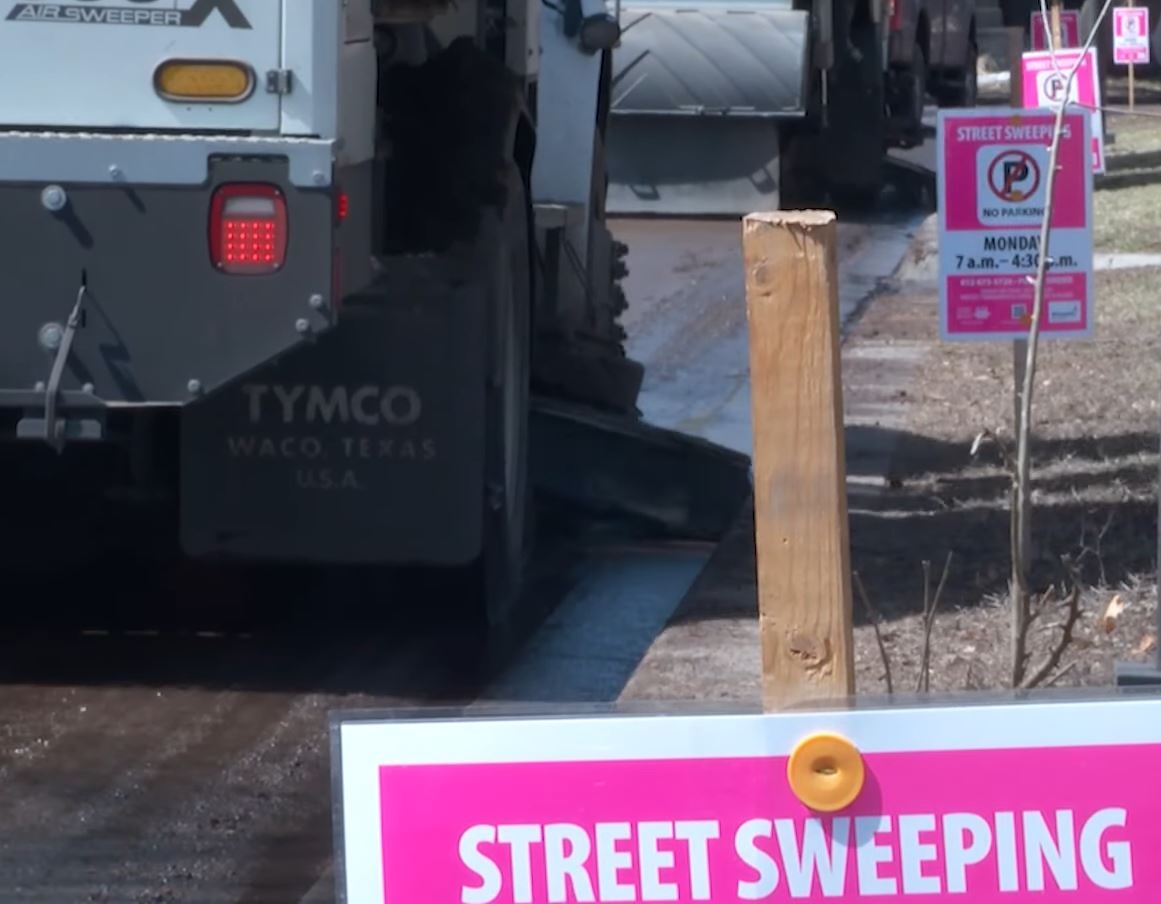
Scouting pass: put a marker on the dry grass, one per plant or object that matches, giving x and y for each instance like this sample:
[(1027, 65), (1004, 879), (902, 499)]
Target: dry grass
[(1127, 203)]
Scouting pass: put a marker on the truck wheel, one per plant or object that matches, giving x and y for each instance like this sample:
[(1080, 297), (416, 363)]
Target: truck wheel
[(494, 581), (855, 140), (916, 82), (963, 89)]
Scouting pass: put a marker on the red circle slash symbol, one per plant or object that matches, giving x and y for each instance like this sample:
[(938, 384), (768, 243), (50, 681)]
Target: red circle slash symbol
[(1014, 175)]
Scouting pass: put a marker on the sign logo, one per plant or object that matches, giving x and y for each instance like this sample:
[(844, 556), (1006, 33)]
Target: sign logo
[(1013, 176), (139, 12)]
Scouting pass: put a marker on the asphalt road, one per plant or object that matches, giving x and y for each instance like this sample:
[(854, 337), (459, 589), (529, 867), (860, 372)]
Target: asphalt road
[(187, 760)]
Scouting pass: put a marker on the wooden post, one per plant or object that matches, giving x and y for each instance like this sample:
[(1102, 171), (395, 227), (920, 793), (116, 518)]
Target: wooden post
[(1132, 73), (800, 499), (1016, 67)]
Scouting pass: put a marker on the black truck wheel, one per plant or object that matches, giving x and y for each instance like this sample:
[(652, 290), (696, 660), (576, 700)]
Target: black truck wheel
[(855, 139), (492, 584), (909, 99), (962, 89)]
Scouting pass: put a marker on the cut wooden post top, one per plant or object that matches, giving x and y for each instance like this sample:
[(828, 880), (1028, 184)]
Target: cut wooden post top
[(803, 218)]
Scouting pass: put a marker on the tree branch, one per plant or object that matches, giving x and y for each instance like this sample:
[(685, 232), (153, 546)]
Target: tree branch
[(875, 618)]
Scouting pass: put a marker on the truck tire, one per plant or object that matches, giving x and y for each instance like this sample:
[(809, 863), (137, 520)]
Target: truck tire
[(855, 140), (492, 584), (962, 90), (911, 98)]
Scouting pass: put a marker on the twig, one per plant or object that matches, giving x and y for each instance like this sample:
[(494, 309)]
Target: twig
[(930, 604), (1052, 660), (874, 617), (995, 440), (1059, 675)]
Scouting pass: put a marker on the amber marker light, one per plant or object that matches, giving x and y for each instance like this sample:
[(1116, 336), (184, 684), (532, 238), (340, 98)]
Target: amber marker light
[(204, 81), (826, 772)]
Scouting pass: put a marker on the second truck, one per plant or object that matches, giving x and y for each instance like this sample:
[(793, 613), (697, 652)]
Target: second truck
[(722, 107)]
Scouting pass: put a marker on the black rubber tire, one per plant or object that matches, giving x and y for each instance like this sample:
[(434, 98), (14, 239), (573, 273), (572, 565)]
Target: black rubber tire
[(963, 91), (854, 143), (490, 592), (917, 84)]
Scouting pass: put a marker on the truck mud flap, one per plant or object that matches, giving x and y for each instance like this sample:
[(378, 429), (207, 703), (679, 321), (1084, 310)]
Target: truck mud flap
[(360, 448), (698, 98)]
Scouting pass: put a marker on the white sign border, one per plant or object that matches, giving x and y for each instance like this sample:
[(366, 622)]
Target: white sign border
[(362, 741), (941, 218)]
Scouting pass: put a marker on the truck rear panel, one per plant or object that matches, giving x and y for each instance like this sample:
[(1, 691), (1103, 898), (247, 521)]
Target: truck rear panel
[(170, 212), (107, 57), (160, 321)]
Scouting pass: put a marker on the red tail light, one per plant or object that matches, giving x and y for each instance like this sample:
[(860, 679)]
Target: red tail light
[(895, 14), (248, 229)]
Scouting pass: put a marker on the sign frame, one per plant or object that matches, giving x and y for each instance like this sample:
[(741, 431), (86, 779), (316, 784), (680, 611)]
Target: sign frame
[(1137, 51), (993, 284), (1044, 719)]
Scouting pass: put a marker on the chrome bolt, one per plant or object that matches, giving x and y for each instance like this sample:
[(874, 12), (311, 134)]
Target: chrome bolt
[(88, 389), (194, 386), (115, 172), (317, 302), (50, 336), (54, 198), (40, 386), (302, 325), (320, 178)]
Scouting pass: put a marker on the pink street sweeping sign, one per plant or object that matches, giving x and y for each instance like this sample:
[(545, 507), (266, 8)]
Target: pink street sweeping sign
[(1069, 30), (1131, 35), (988, 804), (1045, 84), (993, 188)]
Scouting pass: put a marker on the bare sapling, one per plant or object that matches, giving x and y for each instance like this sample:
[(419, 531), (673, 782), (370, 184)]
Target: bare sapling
[(930, 607), (1027, 607)]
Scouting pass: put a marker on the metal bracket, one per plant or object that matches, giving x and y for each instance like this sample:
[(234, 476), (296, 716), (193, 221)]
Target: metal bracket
[(1137, 674), (51, 429), (279, 81)]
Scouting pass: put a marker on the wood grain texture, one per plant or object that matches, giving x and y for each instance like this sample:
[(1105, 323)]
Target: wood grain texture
[(800, 500)]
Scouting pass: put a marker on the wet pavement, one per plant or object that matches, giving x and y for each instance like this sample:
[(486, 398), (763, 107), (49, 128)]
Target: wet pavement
[(170, 765)]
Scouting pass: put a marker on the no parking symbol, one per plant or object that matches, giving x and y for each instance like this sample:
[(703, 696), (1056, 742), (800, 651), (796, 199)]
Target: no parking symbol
[(1051, 89), (1014, 175), (1010, 185)]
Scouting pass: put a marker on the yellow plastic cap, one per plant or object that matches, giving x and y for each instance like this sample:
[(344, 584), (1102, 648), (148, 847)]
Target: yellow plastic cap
[(826, 772)]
